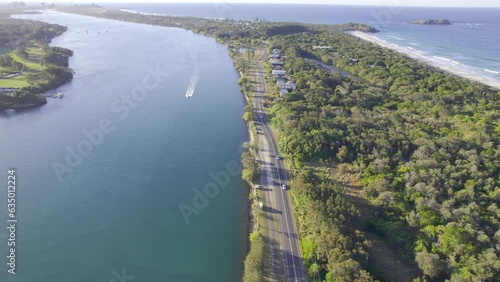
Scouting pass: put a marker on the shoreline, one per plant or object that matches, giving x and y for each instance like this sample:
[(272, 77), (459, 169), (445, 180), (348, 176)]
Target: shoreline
[(437, 62), (254, 248), (33, 94)]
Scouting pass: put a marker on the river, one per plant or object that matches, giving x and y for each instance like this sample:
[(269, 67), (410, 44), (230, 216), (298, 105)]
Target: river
[(126, 178)]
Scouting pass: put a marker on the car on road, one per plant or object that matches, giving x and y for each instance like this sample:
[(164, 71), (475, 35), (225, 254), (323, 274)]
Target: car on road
[(284, 186), (278, 157), (258, 186)]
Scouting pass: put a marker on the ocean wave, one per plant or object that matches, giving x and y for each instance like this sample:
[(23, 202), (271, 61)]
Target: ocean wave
[(396, 37), (474, 24), (414, 44), (455, 62), (129, 11), (492, 71), (442, 58)]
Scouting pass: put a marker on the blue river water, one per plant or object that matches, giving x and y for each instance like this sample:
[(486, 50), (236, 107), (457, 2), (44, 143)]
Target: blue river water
[(125, 176)]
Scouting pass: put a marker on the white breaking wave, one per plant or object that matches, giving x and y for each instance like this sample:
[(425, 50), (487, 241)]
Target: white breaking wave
[(469, 24), (396, 37), (442, 58), (490, 71), (192, 86), (129, 11)]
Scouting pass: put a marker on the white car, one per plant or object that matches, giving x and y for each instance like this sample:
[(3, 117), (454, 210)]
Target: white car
[(284, 186), (258, 186), (278, 157)]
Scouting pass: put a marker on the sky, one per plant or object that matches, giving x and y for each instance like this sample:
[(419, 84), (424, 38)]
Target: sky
[(427, 3)]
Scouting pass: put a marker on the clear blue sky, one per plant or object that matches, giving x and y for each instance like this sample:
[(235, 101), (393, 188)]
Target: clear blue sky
[(429, 3)]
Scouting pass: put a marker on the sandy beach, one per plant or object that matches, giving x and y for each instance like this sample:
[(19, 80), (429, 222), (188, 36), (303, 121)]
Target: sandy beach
[(438, 62)]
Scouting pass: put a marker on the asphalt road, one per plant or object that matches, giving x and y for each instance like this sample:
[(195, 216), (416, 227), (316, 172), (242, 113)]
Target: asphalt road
[(284, 238)]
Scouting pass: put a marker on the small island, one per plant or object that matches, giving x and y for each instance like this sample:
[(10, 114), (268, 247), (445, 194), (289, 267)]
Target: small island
[(431, 22)]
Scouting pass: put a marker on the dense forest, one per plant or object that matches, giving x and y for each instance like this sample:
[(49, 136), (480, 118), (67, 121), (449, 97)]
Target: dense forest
[(423, 144), (29, 42)]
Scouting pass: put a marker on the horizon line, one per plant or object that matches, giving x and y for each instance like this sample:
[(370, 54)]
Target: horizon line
[(240, 2)]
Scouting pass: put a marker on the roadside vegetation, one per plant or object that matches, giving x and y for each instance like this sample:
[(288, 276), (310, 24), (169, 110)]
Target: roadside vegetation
[(255, 267), (396, 168), (27, 64), (421, 144)]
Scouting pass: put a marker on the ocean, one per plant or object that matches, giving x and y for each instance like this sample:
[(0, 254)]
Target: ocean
[(102, 174), (471, 43)]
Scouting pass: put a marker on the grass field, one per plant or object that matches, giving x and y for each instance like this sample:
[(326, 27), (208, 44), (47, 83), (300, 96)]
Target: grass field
[(32, 66)]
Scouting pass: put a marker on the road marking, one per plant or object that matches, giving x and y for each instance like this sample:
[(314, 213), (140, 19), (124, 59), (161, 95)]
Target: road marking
[(284, 206), (274, 149), (269, 180)]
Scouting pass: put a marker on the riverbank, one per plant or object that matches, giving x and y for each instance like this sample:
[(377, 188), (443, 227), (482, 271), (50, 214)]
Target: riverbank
[(28, 66), (256, 262), (437, 62)]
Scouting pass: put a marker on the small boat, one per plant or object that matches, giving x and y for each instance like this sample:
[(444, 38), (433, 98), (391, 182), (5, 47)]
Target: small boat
[(59, 95), (192, 86)]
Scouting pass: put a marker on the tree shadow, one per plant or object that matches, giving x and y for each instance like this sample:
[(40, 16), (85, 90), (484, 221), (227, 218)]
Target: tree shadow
[(271, 210), (272, 266)]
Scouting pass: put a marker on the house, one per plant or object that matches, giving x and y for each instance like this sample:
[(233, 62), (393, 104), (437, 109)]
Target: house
[(274, 56), (283, 92), (321, 47), (276, 62), (279, 76), (279, 72), (290, 85), (8, 90)]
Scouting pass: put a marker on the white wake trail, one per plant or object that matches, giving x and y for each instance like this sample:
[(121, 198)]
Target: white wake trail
[(192, 86)]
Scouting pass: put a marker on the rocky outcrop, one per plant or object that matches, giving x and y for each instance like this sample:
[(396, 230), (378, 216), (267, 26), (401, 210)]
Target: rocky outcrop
[(431, 22)]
